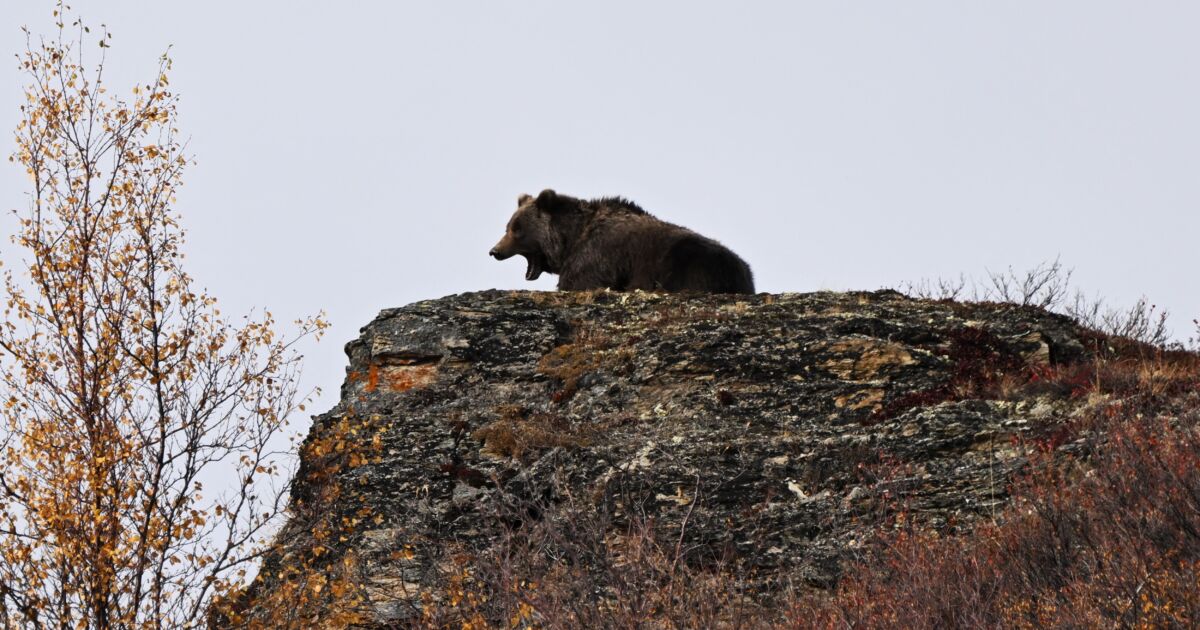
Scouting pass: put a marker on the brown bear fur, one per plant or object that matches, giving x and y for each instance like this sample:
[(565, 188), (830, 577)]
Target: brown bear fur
[(611, 243)]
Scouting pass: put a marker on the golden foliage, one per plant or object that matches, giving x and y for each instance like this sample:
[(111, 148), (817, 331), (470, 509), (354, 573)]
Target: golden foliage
[(314, 577), (125, 390)]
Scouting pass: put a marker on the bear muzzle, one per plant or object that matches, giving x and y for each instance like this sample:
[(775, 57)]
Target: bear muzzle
[(503, 250)]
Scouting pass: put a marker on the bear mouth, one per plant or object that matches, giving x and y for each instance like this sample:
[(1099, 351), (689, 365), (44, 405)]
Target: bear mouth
[(533, 267)]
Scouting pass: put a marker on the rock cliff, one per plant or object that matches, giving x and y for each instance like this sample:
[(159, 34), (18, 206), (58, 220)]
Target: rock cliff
[(776, 430)]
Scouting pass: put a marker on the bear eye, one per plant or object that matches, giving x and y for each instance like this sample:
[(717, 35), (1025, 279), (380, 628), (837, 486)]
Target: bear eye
[(516, 228)]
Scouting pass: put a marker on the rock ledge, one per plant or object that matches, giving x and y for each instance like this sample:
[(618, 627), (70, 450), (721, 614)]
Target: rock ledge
[(764, 421)]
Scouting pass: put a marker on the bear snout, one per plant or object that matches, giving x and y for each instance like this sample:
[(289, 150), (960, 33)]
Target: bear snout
[(498, 254)]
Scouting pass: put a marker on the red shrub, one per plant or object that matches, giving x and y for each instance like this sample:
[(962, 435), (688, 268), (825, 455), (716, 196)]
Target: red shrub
[(1114, 544)]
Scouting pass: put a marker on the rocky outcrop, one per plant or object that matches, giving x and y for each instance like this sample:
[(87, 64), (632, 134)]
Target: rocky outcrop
[(766, 423)]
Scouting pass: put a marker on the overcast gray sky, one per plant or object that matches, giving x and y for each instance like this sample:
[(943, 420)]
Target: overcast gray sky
[(353, 156)]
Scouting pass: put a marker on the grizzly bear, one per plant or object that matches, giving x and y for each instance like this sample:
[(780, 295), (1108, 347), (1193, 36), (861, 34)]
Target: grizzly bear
[(611, 243)]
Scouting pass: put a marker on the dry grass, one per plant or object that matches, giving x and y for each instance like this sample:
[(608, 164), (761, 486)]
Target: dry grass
[(592, 349), (518, 432)]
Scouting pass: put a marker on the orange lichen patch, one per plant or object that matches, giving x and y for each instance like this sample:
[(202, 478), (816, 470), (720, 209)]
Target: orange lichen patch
[(401, 378), (397, 378), (865, 359), (372, 378), (872, 398)]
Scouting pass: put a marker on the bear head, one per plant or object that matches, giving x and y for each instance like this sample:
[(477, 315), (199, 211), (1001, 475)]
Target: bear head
[(533, 233)]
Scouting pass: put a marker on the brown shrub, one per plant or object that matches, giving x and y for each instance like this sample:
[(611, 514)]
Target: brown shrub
[(582, 566)]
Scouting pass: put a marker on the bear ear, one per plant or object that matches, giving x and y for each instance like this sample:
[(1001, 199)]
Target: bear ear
[(548, 200), (524, 199)]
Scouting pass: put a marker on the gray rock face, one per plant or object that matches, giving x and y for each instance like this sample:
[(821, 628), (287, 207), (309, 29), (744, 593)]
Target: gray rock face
[(765, 421)]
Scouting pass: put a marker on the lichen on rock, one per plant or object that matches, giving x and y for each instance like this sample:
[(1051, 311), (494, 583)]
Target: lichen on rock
[(814, 413)]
